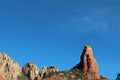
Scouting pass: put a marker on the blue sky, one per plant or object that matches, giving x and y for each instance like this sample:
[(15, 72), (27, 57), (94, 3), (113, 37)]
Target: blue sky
[(53, 32)]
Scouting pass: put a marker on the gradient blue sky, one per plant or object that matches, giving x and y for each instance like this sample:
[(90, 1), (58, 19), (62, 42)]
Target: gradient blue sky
[(53, 32)]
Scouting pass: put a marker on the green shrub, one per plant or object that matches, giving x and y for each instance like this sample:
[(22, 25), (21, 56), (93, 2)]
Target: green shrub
[(22, 77)]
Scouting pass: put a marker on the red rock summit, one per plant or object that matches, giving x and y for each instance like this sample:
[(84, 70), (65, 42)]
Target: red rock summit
[(88, 64)]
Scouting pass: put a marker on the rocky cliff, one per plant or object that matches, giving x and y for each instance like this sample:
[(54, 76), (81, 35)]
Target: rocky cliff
[(8, 68)]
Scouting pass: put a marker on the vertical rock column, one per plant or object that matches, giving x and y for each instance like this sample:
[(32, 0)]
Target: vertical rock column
[(88, 64)]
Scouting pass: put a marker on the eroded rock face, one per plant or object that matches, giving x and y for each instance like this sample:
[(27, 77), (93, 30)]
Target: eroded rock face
[(1, 78), (33, 73), (52, 69), (31, 70), (8, 68), (88, 64), (46, 71)]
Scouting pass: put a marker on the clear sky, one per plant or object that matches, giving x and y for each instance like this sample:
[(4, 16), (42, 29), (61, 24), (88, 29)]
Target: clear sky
[(53, 32)]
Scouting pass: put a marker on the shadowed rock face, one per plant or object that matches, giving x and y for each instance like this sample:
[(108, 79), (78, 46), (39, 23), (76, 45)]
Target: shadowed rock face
[(88, 64)]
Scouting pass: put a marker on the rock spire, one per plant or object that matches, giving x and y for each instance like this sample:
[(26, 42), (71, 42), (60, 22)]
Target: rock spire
[(88, 64)]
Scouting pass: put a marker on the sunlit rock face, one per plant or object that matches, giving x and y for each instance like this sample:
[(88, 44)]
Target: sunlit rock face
[(88, 64), (31, 71), (46, 71), (8, 68)]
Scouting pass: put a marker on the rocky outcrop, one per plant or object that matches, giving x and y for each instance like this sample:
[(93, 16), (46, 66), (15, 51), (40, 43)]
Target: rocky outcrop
[(8, 68), (88, 64), (87, 69), (46, 71), (52, 69), (32, 71)]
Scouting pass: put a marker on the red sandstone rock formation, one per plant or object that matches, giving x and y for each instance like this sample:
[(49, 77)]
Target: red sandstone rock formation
[(88, 64)]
